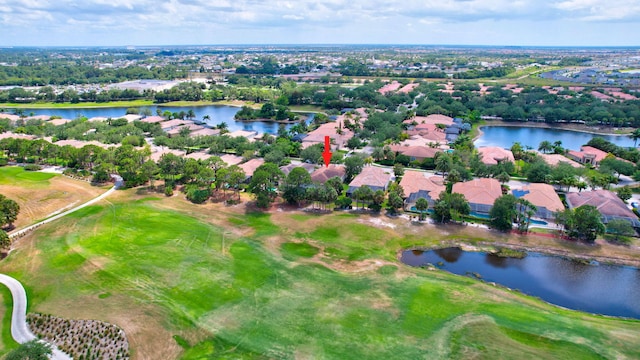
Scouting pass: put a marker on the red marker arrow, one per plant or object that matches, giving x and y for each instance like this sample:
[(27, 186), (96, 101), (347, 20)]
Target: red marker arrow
[(326, 155)]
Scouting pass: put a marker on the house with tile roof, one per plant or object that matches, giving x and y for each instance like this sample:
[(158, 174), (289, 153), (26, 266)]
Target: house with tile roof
[(555, 159), (250, 167), (417, 184), (588, 155), (492, 155), (374, 177), (480, 193), (287, 168), (231, 159), (324, 173), (543, 196), (416, 152), (608, 204)]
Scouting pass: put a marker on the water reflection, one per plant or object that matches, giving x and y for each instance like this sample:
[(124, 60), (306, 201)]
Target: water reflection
[(450, 255), (602, 289)]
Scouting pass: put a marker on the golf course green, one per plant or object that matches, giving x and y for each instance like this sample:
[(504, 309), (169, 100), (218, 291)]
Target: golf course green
[(226, 291)]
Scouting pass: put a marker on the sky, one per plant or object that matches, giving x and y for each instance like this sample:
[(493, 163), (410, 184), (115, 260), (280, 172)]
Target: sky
[(423, 22)]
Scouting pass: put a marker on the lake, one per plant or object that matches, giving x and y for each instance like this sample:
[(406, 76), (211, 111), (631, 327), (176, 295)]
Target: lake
[(601, 289), (217, 114), (505, 136)]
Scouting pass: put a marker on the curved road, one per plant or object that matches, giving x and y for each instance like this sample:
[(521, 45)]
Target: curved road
[(19, 328)]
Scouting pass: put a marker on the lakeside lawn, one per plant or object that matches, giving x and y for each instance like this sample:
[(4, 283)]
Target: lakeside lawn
[(229, 284)]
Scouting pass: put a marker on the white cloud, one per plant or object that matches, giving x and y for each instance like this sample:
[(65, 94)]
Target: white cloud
[(339, 20)]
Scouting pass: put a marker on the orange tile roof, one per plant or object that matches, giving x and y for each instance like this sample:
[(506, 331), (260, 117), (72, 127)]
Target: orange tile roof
[(479, 191), (414, 181), (230, 159), (599, 154), (543, 195)]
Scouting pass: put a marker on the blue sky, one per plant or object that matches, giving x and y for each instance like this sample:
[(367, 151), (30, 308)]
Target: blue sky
[(183, 22)]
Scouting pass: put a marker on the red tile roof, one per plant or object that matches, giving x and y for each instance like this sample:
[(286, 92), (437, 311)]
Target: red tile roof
[(324, 173), (607, 202)]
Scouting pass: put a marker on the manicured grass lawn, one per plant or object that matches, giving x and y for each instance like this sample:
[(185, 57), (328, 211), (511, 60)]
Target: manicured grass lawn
[(17, 175), (253, 303), (6, 340)]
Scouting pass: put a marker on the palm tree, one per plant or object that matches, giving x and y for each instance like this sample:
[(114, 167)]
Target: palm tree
[(545, 146), (206, 118), (635, 135)]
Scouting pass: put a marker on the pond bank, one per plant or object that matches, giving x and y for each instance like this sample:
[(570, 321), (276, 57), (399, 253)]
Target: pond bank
[(492, 247)]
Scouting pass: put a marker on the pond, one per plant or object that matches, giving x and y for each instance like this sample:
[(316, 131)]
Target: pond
[(505, 136), (596, 288), (217, 114)]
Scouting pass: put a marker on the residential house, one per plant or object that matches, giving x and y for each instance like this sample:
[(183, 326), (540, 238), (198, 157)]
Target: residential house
[(480, 193), (250, 135), (416, 152), (492, 155), (543, 196), (338, 134), (230, 159), (287, 168), (417, 184), (250, 167), (205, 132), (324, 173), (153, 119), (555, 159), (608, 204), (588, 155), (374, 177)]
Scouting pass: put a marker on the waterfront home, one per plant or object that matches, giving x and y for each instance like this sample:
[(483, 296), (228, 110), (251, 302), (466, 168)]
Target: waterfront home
[(493, 155), (608, 204), (588, 155), (374, 177), (543, 196), (205, 132), (250, 135), (153, 119), (417, 184), (556, 159), (480, 193)]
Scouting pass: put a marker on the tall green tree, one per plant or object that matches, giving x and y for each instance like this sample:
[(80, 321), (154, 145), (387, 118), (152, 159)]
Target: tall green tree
[(450, 206), (264, 184), (583, 223), (503, 212), (9, 210), (31, 350), (422, 205), (295, 185)]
